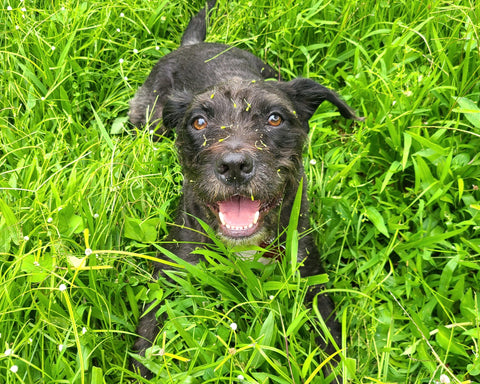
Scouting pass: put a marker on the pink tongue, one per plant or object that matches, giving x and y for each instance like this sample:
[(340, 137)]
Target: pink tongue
[(239, 211)]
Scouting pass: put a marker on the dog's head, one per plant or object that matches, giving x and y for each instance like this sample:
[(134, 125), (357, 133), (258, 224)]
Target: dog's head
[(240, 145)]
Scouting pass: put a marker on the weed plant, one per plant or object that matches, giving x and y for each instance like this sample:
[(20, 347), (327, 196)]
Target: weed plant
[(395, 203)]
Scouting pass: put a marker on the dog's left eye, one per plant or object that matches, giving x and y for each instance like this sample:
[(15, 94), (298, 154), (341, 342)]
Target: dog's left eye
[(199, 123), (275, 120)]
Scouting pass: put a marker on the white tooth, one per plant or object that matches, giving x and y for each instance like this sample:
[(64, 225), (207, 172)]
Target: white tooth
[(228, 226), (255, 219), (222, 219), (250, 225)]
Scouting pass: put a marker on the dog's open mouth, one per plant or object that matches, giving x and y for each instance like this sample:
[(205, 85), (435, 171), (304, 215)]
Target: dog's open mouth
[(240, 216)]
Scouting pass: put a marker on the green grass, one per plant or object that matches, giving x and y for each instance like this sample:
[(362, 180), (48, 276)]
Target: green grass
[(395, 200)]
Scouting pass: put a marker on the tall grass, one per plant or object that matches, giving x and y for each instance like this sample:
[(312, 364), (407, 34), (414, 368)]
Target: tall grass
[(395, 200)]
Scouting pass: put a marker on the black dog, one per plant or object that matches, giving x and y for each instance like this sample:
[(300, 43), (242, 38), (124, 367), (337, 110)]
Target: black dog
[(240, 141)]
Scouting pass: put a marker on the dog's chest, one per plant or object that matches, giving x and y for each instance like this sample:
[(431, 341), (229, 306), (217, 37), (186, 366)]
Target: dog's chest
[(251, 255), (271, 255)]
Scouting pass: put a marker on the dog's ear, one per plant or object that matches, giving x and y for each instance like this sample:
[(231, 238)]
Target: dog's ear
[(175, 108), (307, 95)]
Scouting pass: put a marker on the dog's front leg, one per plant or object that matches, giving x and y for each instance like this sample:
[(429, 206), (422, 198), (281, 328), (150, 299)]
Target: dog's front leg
[(325, 306), (147, 330)]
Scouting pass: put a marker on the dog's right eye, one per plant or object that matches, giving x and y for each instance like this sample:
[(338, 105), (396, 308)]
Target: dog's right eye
[(275, 120), (199, 123)]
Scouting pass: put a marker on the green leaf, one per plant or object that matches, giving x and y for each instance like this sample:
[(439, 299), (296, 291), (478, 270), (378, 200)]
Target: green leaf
[(470, 109), (97, 376), (428, 143), (5, 237), (143, 231), (407, 143), (118, 126), (317, 279), (376, 218), (428, 241), (300, 319), (69, 223), (8, 227), (446, 339), (474, 369), (411, 348), (103, 131), (266, 334), (38, 269), (292, 231), (446, 276), (394, 168)]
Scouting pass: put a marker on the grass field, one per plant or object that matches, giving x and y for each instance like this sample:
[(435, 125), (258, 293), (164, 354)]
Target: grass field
[(395, 200)]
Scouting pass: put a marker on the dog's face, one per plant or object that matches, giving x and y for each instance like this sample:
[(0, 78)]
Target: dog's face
[(240, 145)]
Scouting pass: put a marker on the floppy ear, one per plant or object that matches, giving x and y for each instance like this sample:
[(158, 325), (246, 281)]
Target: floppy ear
[(175, 108), (307, 95)]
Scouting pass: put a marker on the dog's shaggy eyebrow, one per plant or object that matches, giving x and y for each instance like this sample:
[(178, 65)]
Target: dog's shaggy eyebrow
[(275, 104), (203, 107)]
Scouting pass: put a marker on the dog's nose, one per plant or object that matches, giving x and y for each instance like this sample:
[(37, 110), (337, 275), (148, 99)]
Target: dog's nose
[(235, 168)]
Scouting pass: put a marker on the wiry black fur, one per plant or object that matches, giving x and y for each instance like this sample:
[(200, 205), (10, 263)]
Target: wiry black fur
[(227, 88)]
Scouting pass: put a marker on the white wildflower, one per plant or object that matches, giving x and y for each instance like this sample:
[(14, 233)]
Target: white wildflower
[(14, 368), (233, 326), (62, 287), (444, 379)]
